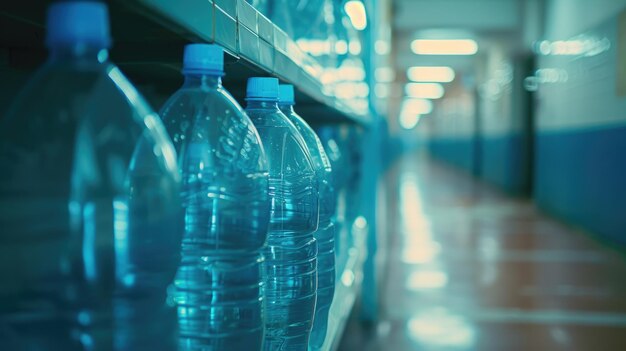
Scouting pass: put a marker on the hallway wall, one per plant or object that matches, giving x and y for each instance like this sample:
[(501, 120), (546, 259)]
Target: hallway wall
[(581, 115), (573, 151), (503, 121), (490, 141), (451, 128)]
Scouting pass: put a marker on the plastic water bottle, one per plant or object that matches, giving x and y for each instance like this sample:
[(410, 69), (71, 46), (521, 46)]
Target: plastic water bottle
[(325, 234), (90, 237), (225, 197), (337, 154), (291, 253), (352, 140)]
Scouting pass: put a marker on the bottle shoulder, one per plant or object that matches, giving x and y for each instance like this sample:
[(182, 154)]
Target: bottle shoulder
[(212, 112), (313, 143), (208, 126), (285, 147), (75, 88), (52, 85), (216, 101), (85, 119)]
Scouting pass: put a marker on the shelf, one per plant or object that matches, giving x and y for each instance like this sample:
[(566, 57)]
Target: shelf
[(347, 289), (247, 35), (148, 37)]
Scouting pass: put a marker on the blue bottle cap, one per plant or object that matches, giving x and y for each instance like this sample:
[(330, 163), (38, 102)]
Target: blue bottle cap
[(203, 59), (262, 89), (286, 94), (78, 23)]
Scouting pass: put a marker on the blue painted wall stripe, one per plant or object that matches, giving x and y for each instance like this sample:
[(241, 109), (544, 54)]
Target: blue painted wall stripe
[(581, 176), (456, 151), (504, 162)]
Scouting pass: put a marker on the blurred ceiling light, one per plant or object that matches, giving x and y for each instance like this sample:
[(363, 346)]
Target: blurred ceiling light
[(351, 90), (354, 47), (444, 46), (362, 90), (423, 253), (314, 47), (581, 45), (382, 47), (341, 47), (424, 90), (408, 121), (360, 222), (384, 74), (359, 105), (440, 74), (430, 279), (328, 77), (354, 73), (417, 106), (439, 327), (381, 90), (356, 11)]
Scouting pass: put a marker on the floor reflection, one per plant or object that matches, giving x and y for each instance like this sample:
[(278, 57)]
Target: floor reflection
[(440, 327), (469, 268)]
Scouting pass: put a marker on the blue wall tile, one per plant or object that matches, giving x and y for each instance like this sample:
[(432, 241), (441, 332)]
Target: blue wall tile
[(456, 151), (504, 162), (581, 176)]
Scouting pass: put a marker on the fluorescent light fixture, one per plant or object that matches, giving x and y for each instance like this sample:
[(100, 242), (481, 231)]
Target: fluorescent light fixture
[(341, 47), (351, 73), (382, 47), (439, 74), (423, 253), (354, 47), (356, 12), (423, 280), (417, 106), (381, 90), (384, 74), (314, 47), (444, 46), (408, 121), (351, 90), (581, 46), (424, 90)]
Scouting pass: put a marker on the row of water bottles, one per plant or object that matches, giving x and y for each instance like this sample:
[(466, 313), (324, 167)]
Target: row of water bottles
[(207, 228)]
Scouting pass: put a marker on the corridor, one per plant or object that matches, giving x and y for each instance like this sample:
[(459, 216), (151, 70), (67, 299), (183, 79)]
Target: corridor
[(469, 268)]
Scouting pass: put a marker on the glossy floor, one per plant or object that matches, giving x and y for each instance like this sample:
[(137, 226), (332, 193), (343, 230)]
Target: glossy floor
[(468, 268)]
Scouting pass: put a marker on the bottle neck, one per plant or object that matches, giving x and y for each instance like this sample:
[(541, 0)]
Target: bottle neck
[(78, 53), (202, 80), (287, 108), (262, 105)]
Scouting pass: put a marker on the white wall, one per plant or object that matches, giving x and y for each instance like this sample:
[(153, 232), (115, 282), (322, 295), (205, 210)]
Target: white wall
[(566, 18), (495, 87), (453, 116), (585, 95)]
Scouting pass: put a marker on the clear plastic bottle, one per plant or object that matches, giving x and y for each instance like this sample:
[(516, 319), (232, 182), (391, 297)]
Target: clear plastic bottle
[(291, 253), (334, 147), (89, 192), (325, 234), (352, 140), (225, 196)]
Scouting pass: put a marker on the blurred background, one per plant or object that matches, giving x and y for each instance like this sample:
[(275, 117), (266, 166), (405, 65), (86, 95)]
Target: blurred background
[(481, 147)]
